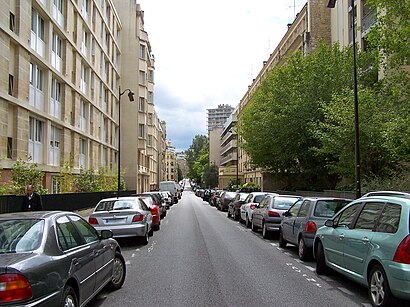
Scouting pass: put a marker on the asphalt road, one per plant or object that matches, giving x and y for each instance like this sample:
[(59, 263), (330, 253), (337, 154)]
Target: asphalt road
[(199, 257)]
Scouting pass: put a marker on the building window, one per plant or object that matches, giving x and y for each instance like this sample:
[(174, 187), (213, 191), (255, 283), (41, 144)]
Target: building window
[(85, 8), (150, 97), (149, 121), (141, 130), (83, 82), (105, 157), (141, 77), (12, 25), (149, 140), (142, 52), (36, 87), (9, 148), (57, 52), (55, 100), (54, 150), (11, 85), (35, 142), (82, 154), (37, 33), (105, 129), (57, 12), (84, 41), (151, 75), (104, 100), (83, 115), (55, 185), (141, 104)]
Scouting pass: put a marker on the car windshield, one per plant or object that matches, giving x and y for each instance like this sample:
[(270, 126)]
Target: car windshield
[(243, 196), (328, 208), (284, 203), (20, 235), (116, 205)]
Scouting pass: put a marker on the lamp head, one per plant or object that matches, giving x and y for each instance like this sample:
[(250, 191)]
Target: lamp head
[(131, 95)]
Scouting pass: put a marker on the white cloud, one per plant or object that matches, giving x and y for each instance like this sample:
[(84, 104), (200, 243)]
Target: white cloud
[(207, 52)]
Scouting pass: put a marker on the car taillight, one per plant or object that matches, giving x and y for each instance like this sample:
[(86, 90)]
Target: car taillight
[(14, 287), (137, 218), (310, 226), (92, 221), (252, 206), (273, 214), (402, 254)]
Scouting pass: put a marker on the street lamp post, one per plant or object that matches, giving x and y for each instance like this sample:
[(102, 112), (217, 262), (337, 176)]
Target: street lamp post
[(331, 4), (131, 98)]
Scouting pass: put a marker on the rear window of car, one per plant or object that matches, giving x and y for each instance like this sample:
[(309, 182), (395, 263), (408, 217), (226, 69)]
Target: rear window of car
[(328, 208), (116, 205), (258, 198), (284, 203), (20, 235), (390, 219)]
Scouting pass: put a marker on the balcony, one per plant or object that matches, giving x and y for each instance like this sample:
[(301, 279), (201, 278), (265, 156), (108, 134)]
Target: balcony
[(230, 145), (143, 170), (228, 158)]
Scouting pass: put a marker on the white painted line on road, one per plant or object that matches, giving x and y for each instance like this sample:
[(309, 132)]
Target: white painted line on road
[(274, 244), (151, 246), (287, 253), (133, 255), (298, 260), (166, 222), (312, 269), (137, 250), (241, 228), (127, 262)]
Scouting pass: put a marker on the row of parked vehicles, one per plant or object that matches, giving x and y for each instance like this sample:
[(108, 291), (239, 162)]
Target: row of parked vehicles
[(57, 258), (367, 239)]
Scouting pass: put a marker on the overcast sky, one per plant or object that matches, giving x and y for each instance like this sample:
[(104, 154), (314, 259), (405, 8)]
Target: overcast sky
[(206, 53)]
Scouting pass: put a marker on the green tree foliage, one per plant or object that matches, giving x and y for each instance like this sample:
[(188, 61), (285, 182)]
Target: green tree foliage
[(278, 125), (210, 176), (66, 180), (392, 31), (22, 174), (195, 162), (96, 181)]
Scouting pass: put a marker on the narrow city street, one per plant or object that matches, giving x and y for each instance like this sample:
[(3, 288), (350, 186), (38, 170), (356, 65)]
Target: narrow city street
[(202, 258)]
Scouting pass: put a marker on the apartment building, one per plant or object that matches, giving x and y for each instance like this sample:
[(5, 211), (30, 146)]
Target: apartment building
[(59, 86), (311, 25), (229, 168), (141, 129), (171, 172)]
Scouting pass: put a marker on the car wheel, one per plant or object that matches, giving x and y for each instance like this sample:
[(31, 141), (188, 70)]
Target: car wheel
[(321, 267), (265, 231), (118, 272), (229, 213), (282, 241), (254, 228), (69, 298), (379, 290), (247, 222), (303, 251), (145, 238), (157, 227), (151, 232)]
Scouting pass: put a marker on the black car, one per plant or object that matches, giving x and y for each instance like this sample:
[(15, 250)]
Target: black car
[(55, 258), (234, 207)]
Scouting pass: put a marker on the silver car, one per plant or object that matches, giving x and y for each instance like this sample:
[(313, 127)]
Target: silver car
[(124, 216), (251, 202), (268, 214), (55, 258)]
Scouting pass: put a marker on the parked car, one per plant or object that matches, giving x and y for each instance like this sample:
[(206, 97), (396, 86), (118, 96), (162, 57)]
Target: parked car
[(300, 222), (235, 205), (152, 204), (268, 214), (167, 198), (225, 199), (159, 201), (215, 200), (207, 194), (46, 258), (251, 201), (170, 186), (368, 241), (124, 216)]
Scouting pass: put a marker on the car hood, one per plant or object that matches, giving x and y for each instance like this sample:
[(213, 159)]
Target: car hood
[(13, 260)]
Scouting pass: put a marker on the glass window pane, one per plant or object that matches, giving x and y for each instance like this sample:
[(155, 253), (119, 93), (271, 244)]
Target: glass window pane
[(369, 215)]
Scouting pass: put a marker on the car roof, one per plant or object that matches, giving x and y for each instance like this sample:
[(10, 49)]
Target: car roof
[(326, 198), (32, 214), (387, 193)]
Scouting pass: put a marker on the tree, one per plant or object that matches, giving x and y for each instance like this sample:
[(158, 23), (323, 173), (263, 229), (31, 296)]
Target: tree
[(210, 176), (23, 174), (278, 124), (198, 147)]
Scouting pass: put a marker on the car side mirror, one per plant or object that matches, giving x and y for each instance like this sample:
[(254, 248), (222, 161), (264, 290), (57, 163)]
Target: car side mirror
[(330, 223), (286, 213), (106, 234)]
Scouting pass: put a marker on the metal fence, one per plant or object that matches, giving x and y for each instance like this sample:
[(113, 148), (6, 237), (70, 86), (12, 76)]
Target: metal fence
[(67, 202)]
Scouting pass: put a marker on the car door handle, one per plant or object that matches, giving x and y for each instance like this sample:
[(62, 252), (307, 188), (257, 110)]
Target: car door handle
[(365, 240), (341, 237)]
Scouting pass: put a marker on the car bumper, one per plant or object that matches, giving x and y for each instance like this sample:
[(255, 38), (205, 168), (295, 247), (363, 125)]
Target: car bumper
[(398, 275), (125, 230)]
